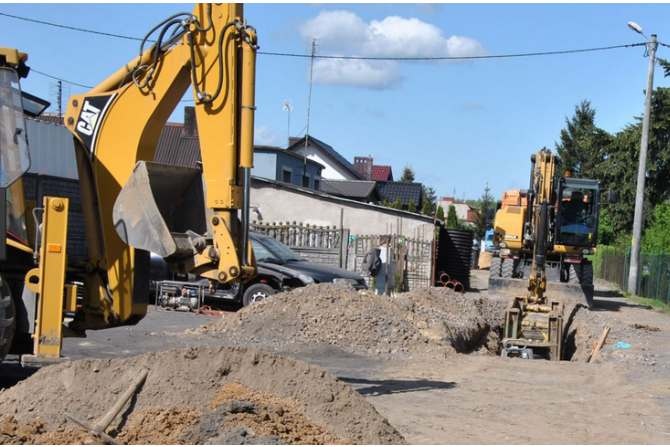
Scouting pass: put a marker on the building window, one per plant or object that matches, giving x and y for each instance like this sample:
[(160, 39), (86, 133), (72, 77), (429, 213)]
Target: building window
[(316, 184), (286, 175), (305, 181)]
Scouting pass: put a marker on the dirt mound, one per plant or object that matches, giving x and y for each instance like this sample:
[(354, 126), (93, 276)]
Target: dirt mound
[(195, 395), (464, 322), (428, 320)]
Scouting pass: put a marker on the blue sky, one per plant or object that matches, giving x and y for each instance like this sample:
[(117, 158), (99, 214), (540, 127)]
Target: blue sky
[(458, 124)]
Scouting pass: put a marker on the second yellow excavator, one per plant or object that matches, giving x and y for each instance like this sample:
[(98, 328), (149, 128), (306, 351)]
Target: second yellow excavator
[(542, 239)]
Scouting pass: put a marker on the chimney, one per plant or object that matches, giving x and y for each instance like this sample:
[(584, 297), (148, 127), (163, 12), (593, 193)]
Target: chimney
[(189, 129), (363, 166)]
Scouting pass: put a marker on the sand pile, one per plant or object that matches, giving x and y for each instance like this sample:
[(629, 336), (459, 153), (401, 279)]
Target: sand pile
[(430, 320), (195, 395)]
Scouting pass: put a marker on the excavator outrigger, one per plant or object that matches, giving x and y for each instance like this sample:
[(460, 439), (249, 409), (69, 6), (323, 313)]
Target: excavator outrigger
[(197, 219)]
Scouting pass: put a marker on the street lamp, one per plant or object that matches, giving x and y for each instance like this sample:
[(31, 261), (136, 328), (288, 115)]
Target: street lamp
[(652, 44), (635, 27)]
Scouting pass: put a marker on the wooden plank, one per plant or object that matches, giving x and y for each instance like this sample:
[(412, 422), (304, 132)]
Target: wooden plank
[(599, 345)]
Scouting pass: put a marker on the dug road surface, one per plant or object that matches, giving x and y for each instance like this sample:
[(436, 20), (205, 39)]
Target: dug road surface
[(621, 398)]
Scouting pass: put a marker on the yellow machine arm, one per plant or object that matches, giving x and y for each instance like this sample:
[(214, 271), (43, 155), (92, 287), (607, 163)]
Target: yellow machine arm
[(132, 205), (540, 199)]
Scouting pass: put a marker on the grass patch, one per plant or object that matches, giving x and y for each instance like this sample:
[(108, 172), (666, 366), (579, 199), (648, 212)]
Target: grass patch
[(654, 303)]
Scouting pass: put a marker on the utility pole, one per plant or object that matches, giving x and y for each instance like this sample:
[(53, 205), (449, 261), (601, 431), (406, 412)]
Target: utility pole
[(59, 97), (652, 44), (311, 80), (309, 106)]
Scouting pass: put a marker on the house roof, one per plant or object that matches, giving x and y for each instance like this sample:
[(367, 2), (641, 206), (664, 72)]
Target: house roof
[(275, 150), (382, 173), (297, 144), (49, 118), (177, 149), (356, 189), (406, 192), (258, 181)]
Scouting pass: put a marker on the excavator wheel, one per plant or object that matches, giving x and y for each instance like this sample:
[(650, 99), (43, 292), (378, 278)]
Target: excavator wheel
[(507, 270), (7, 318), (494, 270)]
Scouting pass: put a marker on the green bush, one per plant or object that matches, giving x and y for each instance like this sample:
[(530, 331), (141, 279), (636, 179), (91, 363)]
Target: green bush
[(656, 238)]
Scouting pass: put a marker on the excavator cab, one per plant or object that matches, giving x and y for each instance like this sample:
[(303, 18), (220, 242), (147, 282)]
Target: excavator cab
[(577, 214), (14, 155), (15, 159)]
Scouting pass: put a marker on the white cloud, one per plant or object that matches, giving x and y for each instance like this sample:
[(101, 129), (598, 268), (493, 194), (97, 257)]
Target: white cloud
[(370, 74), (459, 46), (336, 30), (344, 32)]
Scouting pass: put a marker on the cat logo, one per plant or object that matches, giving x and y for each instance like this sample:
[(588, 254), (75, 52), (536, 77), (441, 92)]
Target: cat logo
[(91, 117), (88, 118)]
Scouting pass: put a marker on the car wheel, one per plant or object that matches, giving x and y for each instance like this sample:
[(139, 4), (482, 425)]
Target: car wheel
[(256, 293)]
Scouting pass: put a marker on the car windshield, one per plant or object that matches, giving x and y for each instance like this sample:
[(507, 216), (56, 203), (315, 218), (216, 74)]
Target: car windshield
[(268, 249)]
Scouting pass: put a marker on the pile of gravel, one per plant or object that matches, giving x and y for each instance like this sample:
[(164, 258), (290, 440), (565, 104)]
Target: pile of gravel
[(426, 321)]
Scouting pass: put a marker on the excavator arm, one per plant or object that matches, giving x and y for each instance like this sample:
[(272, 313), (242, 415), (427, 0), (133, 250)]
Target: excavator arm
[(196, 219)]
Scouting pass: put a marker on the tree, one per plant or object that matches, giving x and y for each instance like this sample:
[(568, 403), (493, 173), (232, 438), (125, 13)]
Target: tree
[(429, 201), (440, 214), (582, 145), (411, 206), (407, 175), (452, 218), (618, 170), (486, 212)]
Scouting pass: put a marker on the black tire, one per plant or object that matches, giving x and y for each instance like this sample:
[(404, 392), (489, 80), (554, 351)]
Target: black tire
[(7, 318), (256, 293), (494, 270), (507, 269)]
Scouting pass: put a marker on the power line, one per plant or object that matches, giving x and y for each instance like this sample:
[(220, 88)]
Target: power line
[(71, 28), (369, 58), (57, 78), (446, 58)]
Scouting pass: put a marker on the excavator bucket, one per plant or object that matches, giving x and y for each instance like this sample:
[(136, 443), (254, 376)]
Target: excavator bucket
[(159, 206), (567, 293)]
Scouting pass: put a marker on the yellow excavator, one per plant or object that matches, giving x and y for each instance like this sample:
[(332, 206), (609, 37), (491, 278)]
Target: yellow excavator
[(197, 219), (542, 237)]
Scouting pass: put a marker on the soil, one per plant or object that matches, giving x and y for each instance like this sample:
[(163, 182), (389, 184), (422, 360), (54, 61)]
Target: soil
[(429, 389), (435, 321), (622, 397), (195, 395)]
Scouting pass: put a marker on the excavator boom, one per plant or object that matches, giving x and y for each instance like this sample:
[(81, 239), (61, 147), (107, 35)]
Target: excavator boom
[(132, 205)]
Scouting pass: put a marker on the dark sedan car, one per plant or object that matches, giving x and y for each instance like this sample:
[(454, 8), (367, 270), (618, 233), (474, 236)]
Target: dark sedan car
[(279, 268)]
